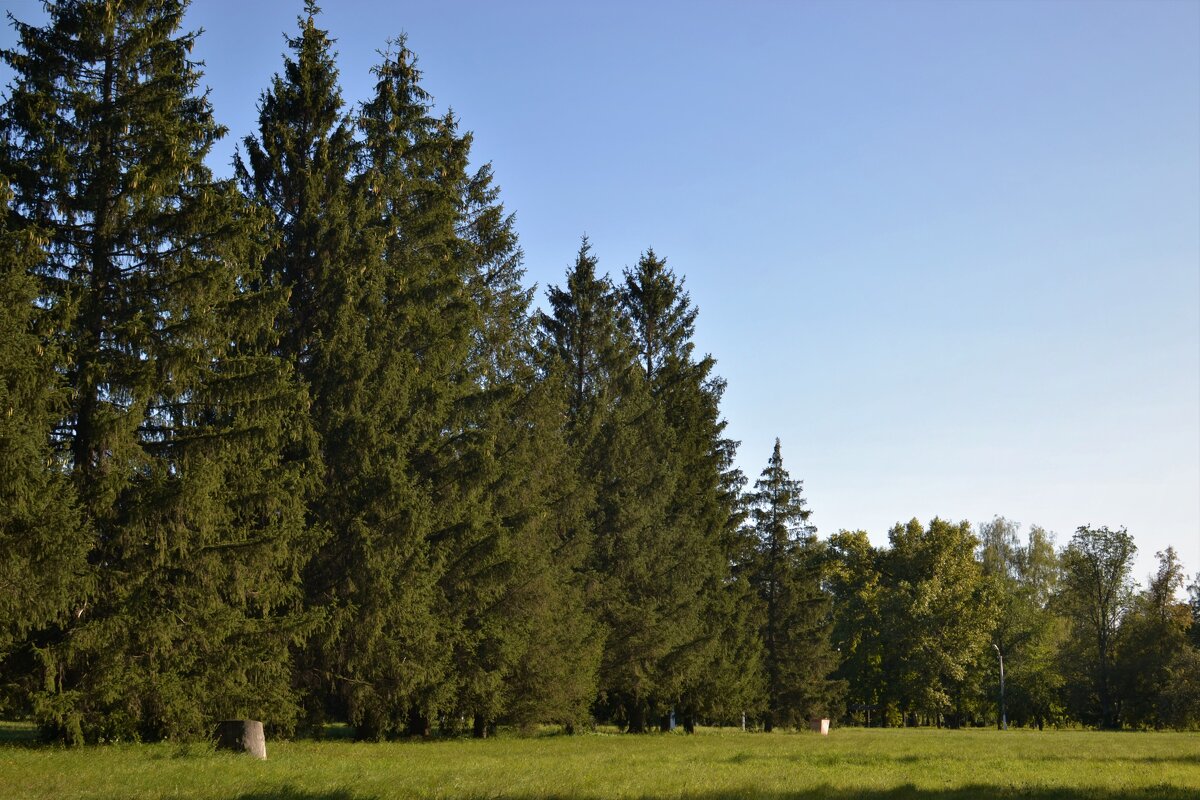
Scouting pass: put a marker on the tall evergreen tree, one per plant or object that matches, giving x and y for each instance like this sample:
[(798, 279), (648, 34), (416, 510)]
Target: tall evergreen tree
[(371, 252), (612, 423), (796, 628), (701, 511), (406, 329), (582, 333), (511, 560), (179, 438), (43, 544), (732, 685), (412, 329), (582, 352)]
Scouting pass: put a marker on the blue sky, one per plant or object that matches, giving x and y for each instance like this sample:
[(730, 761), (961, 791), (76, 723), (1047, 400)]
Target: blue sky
[(948, 252)]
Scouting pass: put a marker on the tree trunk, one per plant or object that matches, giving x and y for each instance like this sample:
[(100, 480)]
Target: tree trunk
[(418, 723), (637, 718), (480, 727)]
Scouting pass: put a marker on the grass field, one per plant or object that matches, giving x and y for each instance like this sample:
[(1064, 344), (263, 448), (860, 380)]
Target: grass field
[(712, 765)]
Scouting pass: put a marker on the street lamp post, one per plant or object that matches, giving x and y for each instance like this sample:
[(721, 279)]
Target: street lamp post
[(1003, 712)]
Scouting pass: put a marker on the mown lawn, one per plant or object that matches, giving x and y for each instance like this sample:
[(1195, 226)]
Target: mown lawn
[(850, 763)]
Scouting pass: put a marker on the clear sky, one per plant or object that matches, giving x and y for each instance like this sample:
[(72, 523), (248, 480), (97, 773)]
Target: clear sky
[(948, 252)]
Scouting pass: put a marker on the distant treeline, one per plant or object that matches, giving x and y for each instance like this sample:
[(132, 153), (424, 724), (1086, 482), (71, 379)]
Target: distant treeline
[(296, 446)]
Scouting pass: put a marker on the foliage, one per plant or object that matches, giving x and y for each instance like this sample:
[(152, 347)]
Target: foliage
[(858, 590), (1153, 638), (297, 446), (44, 574), (179, 415), (939, 590), (1027, 631), (796, 623), (1097, 593)]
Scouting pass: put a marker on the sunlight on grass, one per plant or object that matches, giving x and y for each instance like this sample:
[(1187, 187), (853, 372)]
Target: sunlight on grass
[(873, 764)]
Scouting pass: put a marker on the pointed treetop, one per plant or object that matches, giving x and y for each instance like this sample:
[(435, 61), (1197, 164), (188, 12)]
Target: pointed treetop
[(661, 311), (780, 510)]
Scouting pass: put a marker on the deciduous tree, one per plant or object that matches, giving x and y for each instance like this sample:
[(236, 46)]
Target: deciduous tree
[(942, 616), (1097, 593)]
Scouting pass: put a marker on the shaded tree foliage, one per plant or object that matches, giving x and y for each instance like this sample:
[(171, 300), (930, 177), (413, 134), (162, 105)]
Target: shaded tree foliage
[(798, 657), (43, 544), (1153, 636), (858, 588), (179, 416), (1097, 593)]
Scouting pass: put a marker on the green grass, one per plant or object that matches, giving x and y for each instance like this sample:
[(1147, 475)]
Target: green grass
[(712, 765)]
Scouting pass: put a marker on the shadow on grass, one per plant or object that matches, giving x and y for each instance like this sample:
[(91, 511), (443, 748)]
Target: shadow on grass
[(976, 792), (292, 793), (880, 761)]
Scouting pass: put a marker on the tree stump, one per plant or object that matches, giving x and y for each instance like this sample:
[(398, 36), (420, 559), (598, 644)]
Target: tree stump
[(242, 736)]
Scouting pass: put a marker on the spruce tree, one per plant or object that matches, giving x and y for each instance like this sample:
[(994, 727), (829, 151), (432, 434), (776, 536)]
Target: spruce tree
[(582, 352), (659, 494), (694, 533), (412, 330), (797, 624), (610, 421), (385, 654), (178, 436), (582, 334), (512, 579), (455, 335), (366, 249), (43, 544), (733, 685)]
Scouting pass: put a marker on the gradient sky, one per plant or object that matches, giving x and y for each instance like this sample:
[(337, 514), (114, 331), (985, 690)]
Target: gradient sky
[(948, 252)]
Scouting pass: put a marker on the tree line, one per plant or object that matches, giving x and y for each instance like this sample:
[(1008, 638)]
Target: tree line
[(924, 625), (297, 445)]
